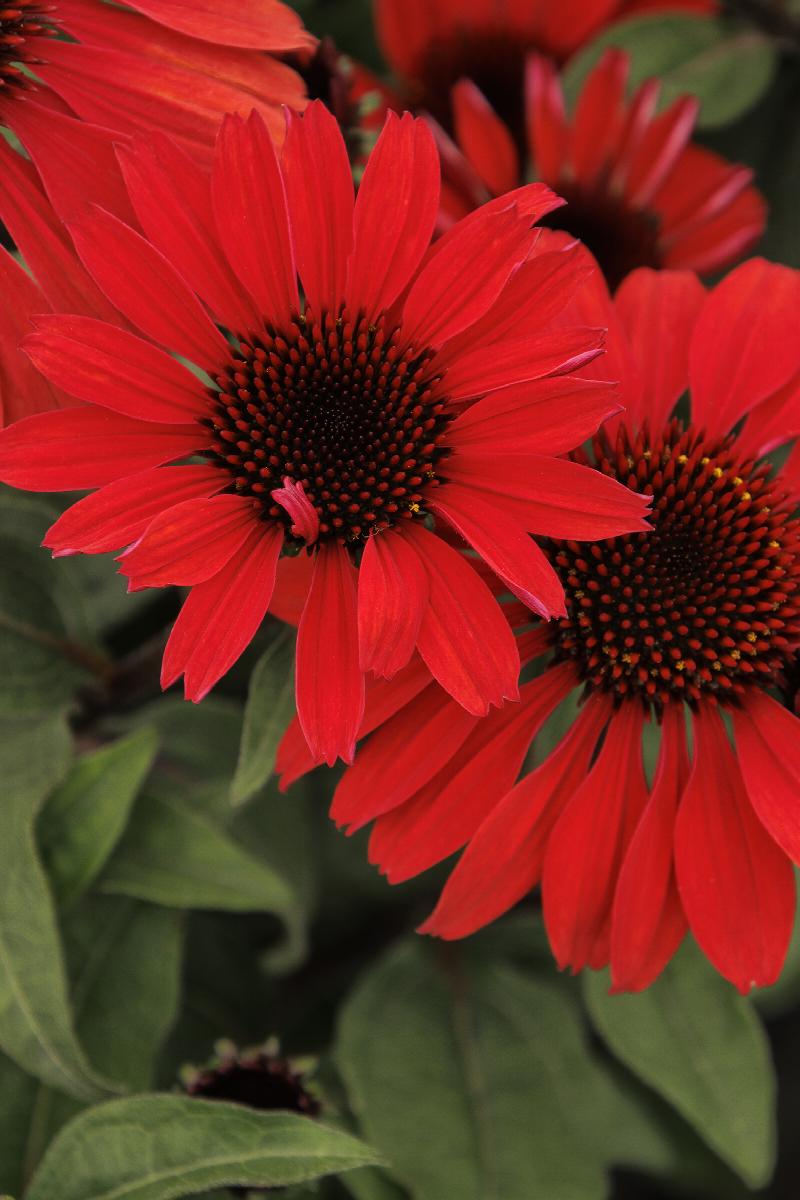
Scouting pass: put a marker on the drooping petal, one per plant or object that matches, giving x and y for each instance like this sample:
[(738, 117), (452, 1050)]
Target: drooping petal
[(86, 448), (442, 817), (319, 186), (172, 198), (768, 748), (220, 617), (401, 757), (484, 138), (23, 391), (736, 885), (105, 365), (189, 542), (648, 922), (146, 288), (744, 345), (252, 221), (464, 638), (588, 846), (119, 513), (393, 591), (292, 583), (503, 861), (329, 682), (504, 545), (658, 311), (395, 214)]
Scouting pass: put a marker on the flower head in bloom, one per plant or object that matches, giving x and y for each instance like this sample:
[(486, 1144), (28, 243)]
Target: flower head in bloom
[(694, 623), (639, 193), (356, 425), (166, 65), (432, 44)]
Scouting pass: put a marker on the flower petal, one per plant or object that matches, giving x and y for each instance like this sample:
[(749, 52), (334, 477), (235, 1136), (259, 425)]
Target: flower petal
[(484, 138), (253, 24), (392, 596), (768, 748), (220, 617), (559, 353), (329, 682), (735, 883)]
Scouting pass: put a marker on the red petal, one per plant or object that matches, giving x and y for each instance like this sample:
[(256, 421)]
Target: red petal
[(545, 416), (221, 616), (768, 748), (23, 391), (119, 513), (392, 597), (104, 365), (189, 542), (504, 545), (588, 845), (294, 501), (292, 583), (330, 685), (445, 299), (252, 220), (395, 214), (648, 922), (401, 757), (146, 288), (172, 198), (464, 638), (446, 813), (87, 448), (658, 311), (548, 130), (476, 373), (745, 344), (661, 145), (319, 181), (503, 861), (484, 139), (552, 496), (599, 116), (736, 885), (253, 24)]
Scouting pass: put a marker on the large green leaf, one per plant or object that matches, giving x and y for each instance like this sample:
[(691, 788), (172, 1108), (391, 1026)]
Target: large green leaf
[(270, 705), (18, 1093), (728, 71), (173, 855), (159, 1147), (474, 1081), (36, 1027), (84, 818), (700, 1046)]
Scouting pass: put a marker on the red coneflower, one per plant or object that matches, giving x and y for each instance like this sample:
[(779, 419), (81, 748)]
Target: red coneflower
[(159, 65), (699, 617), (341, 425), (432, 44), (638, 192)]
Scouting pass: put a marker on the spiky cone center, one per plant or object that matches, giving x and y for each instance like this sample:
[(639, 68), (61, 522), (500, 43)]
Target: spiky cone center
[(18, 23), (339, 406), (255, 1078), (704, 606)]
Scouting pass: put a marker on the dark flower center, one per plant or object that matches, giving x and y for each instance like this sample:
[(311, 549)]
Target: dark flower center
[(257, 1080), (705, 604), (340, 407), (18, 22), (620, 238)]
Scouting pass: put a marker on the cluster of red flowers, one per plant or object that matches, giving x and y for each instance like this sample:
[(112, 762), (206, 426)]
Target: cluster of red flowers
[(413, 419)]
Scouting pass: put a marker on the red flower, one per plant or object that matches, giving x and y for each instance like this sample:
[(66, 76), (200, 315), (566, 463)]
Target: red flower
[(699, 617), (341, 428), (432, 44), (638, 192), (171, 65)]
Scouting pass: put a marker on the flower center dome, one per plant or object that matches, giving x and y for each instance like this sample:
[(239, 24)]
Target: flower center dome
[(19, 22), (342, 408), (619, 237), (705, 604)]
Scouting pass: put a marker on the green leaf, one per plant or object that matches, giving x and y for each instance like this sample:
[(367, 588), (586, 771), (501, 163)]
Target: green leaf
[(472, 1080), (270, 705), (36, 1027), (701, 1047), (18, 1093), (199, 742), (158, 1147), (175, 856), (727, 71), (84, 818)]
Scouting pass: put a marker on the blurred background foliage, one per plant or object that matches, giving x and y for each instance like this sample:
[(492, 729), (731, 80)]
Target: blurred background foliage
[(157, 892)]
